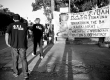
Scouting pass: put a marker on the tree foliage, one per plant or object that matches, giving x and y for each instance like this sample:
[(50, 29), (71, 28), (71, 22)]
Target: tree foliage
[(39, 3), (6, 16), (84, 5), (76, 5)]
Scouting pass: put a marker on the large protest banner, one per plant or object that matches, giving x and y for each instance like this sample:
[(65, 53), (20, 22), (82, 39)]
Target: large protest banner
[(90, 23)]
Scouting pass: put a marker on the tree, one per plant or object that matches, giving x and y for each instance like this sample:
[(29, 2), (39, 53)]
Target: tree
[(76, 5), (39, 3), (6, 16), (1, 6), (36, 6), (84, 5)]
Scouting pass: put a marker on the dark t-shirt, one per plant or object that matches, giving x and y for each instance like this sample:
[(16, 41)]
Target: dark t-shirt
[(38, 30), (18, 35)]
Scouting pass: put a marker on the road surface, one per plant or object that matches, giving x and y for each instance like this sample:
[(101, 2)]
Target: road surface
[(64, 61)]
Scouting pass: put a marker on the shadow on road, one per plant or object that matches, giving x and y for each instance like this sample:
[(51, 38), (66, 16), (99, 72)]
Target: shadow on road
[(6, 73), (66, 68), (63, 73), (40, 74)]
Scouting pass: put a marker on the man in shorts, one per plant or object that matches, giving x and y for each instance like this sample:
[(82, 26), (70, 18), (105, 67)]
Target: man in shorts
[(16, 38), (38, 30)]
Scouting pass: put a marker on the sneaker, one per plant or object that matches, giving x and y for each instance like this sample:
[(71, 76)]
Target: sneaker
[(26, 76), (41, 57), (15, 74), (33, 54)]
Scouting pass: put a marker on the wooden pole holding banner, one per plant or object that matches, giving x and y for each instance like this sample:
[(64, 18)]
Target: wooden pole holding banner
[(52, 9), (69, 6), (52, 6)]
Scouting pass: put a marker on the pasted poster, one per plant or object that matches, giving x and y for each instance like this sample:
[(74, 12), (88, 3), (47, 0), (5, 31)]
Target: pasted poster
[(55, 21), (63, 24), (89, 23), (60, 22)]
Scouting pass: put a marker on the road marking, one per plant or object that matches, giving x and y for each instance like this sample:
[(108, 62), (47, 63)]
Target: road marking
[(66, 66)]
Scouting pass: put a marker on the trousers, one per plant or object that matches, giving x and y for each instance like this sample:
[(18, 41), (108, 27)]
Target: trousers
[(16, 53), (38, 42)]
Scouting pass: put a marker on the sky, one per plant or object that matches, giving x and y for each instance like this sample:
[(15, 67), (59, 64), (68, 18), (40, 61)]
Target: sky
[(22, 7)]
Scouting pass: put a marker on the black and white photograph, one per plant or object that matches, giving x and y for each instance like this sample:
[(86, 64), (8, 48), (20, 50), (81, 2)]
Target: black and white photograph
[(54, 39)]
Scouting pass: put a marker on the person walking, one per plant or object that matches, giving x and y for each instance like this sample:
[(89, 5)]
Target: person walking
[(16, 38), (47, 28), (38, 30)]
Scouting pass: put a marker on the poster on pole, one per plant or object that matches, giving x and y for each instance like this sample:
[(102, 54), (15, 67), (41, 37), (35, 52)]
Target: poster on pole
[(60, 22), (90, 23), (55, 21), (63, 24)]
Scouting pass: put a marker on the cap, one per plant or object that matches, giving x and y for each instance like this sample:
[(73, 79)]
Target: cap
[(37, 18), (16, 17)]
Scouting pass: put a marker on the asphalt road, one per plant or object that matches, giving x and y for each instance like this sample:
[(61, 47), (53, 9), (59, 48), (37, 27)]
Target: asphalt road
[(64, 61)]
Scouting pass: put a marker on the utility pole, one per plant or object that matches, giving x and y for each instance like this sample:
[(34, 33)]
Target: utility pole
[(52, 6), (69, 6), (52, 26)]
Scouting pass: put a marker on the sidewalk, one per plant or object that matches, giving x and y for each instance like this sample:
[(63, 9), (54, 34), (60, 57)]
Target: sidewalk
[(60, 63), (55, 53)]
